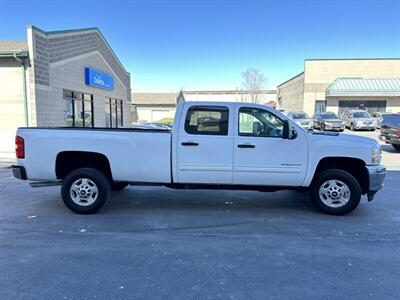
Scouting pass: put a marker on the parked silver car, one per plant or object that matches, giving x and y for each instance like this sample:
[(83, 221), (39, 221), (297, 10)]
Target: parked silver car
[(302, 119), (328, 121), (358, 119)]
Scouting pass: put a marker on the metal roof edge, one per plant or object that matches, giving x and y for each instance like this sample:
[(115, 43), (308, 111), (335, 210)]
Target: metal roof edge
[(363, 93), (376, 58), (12, 53)]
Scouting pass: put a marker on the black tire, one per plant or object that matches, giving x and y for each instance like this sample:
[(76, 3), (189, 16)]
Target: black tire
[(322, 127), (344, 177), (352, 127), (119, 185), (96, 177), (396, 146), (341, 130)]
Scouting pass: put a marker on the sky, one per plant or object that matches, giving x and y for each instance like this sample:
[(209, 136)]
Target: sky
[(201, 45)]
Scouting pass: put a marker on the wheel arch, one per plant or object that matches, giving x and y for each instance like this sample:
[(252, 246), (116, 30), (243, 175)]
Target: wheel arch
[(355, 166), (68, 161)]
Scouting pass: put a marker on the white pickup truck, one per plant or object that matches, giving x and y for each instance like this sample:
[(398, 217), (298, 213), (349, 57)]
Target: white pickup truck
[(213, 145)]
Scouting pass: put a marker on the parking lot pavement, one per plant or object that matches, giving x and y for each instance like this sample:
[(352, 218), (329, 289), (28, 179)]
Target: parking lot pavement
[(157, 243), (390, 156)]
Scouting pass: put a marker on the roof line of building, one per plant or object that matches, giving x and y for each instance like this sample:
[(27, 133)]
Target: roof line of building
[(382, 58), (54, 32), (291, 78), (63, 31), (228, 91)]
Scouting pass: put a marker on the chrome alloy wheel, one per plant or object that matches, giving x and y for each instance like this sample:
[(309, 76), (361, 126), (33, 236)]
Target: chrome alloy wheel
[(334, 193), (83, 192)]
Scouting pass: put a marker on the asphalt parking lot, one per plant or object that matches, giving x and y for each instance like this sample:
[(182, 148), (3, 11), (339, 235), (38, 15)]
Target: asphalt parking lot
[(157, 243)]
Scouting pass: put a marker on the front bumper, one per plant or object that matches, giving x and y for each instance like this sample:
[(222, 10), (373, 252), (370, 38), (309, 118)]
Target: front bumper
[(19, 172), (364, 126), (334, 127), (376, 176)]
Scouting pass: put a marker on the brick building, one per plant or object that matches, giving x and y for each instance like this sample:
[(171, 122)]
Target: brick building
[(61, 78)]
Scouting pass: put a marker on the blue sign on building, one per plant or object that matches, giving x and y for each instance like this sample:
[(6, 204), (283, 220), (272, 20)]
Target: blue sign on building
[(98, 79)]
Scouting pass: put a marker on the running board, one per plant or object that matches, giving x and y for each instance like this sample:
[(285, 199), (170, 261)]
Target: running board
[(44, 183)]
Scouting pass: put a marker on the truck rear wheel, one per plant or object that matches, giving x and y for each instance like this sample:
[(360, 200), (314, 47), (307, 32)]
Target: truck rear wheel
[(335, 192), (85, 190)]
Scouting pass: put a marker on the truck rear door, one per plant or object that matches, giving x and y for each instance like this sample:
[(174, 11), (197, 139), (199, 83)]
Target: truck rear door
[(204, 144)]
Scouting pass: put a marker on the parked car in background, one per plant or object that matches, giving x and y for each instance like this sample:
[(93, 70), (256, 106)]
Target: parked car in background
[(358, 119), (302, 119), (390, 130), (328, 121), (379, 116)]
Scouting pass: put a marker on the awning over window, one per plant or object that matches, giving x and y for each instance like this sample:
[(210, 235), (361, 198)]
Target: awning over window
[(364, 87)]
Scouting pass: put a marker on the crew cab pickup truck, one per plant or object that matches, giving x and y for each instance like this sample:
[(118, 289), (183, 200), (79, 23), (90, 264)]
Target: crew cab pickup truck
[(212, 145)]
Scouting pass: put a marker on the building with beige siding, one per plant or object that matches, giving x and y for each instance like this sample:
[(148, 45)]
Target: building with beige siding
[(340, 84), (61, 78)]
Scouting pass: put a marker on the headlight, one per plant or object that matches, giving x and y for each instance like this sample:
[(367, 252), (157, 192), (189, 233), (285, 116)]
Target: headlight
[(359, 123), (376, 156)]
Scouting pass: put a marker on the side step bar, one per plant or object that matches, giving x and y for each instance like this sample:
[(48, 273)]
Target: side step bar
[(44, 183)]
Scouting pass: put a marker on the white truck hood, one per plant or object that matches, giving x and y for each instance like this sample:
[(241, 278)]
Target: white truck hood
[(326, 144)]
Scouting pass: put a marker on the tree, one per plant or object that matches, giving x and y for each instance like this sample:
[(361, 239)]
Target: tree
[(254, 82)]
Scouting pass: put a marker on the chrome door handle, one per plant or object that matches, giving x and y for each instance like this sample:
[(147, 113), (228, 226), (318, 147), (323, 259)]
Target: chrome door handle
[(189, 143), (246, 146)]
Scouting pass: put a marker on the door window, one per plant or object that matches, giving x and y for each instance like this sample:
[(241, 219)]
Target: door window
[(320, 106), (208, 120), (259, 123)]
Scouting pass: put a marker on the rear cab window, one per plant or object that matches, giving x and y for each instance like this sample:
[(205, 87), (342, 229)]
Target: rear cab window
[(207, 120)]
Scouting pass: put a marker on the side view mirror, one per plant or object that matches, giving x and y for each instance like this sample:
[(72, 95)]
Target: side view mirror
[(286, 131)]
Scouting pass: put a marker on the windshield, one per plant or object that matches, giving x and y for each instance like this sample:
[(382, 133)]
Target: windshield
[(391, 119), (300, 116), (361, 114), (328, 116)]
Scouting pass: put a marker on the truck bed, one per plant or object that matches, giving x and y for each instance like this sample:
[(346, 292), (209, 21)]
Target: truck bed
[(134, 154)]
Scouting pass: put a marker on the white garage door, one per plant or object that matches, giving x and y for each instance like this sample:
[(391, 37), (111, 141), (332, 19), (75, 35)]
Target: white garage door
[(157, 115)]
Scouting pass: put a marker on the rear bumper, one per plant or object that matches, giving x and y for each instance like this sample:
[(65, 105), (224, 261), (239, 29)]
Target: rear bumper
[(19, 172), (376, 176)]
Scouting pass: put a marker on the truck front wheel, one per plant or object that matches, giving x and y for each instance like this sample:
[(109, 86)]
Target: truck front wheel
[(335, 192), (85, 190)]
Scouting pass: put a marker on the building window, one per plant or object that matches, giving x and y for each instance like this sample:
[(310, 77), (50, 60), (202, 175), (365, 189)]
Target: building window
[(279, 102), (78, 110), (320, 106), (114, 113), (211, 120)]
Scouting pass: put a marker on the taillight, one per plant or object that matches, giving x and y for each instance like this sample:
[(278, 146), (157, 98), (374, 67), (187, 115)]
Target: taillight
[(19, 147), (398, 131)]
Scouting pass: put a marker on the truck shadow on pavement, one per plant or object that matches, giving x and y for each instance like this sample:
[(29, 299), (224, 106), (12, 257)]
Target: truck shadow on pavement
[(194, 202)]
